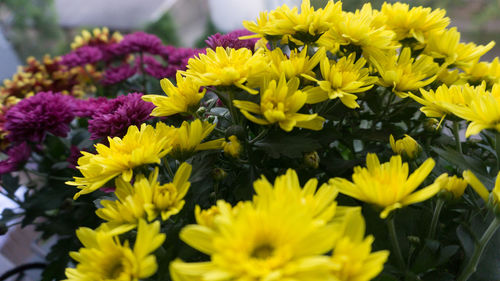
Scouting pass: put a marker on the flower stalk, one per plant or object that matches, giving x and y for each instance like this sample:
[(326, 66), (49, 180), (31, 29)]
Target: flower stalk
[(396, 249), (435, 218)]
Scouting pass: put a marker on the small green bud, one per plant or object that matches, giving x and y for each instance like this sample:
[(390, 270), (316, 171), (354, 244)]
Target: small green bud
[(219, 174), (237, 131)]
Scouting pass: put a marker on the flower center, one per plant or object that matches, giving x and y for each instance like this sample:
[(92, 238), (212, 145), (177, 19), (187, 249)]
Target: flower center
[(263, 251)]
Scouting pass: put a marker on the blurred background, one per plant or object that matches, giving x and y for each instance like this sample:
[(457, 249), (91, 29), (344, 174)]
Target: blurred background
[(39, 27)]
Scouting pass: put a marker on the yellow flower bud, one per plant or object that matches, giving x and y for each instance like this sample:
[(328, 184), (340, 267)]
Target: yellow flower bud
[(453, 184), (232, 147), (311, 159), (406, 146)]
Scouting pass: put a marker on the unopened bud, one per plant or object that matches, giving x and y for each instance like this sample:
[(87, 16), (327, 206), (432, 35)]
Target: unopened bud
[(219, 174), (311, 159)]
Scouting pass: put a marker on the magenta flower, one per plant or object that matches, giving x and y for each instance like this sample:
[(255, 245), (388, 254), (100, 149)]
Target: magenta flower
[(82, 56), (33, 117), (17, 156), (90, 107), (231, 40), (124, 111), (153, 67), (138, 42), (114, 75)]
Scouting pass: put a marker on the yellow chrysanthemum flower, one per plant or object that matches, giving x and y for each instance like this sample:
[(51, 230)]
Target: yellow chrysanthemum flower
[(225, 67), (98, 36), (279, 103), (481, 190), (483, 71), (405, 74), (387, 185), (298, 27), (444, 46), (340, 80), (104, 257), (481, 107), (437, 103), (414, 23), (282, 235), (146, 145), (406, 146), (183, 98), (187, 139), (364, 30), (450, 77), (453, 185), (232, 147), (352, 254), (294, 65), (146, 199)]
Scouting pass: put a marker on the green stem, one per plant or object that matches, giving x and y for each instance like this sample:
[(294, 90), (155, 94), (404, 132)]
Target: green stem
[(478, 250), (169, 170), (435, 217), (261, 135), (497, 149), (456, 131), (395, 244), (232, 110), (143, 80)]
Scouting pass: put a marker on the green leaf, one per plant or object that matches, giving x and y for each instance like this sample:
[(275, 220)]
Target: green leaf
[(293, 146)]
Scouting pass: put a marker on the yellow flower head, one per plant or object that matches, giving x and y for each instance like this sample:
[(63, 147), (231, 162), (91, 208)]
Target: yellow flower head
[(289, 24), (437, 103), (414, 23), (183, 98), (187, 139), (483, 71), (352, 256), (453, 185), (406, 146), (232, 147), (97, 37), (279, 103), (146, 199), (492, 197), (481, 107), (444, 46), (404, 73), (387, 185), (281, 235), (225, 67), (340, 80), (104, 257), (449, 77), (146, 145), (362, 30), (296, 64)]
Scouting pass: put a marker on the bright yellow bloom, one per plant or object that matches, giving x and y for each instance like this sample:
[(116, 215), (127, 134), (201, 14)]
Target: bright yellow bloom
[(104, 257), (405, 74), (232, 147), (444, 46), (146, 145), (483, 71), (296, 64), (289, 24), (225, 67), (363, 30), (481, 107), (352, 255), (98, 36), (453, 184), (436, 103), (146, 199), (481, 190), (183, 98), (414, 23), (281, 235), (449, 77), (406, 146), (279, 103), (387, 185), (187, 139), (340, 80)]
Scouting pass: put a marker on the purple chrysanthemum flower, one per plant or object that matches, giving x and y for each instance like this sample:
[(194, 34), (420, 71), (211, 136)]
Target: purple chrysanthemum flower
[(153, 67), (32, 118), (17, 156), (92, 106), (231, 40), (82, 56), (178, 58), (124, 111), (138, 42), (74, 154), (114, 75)]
